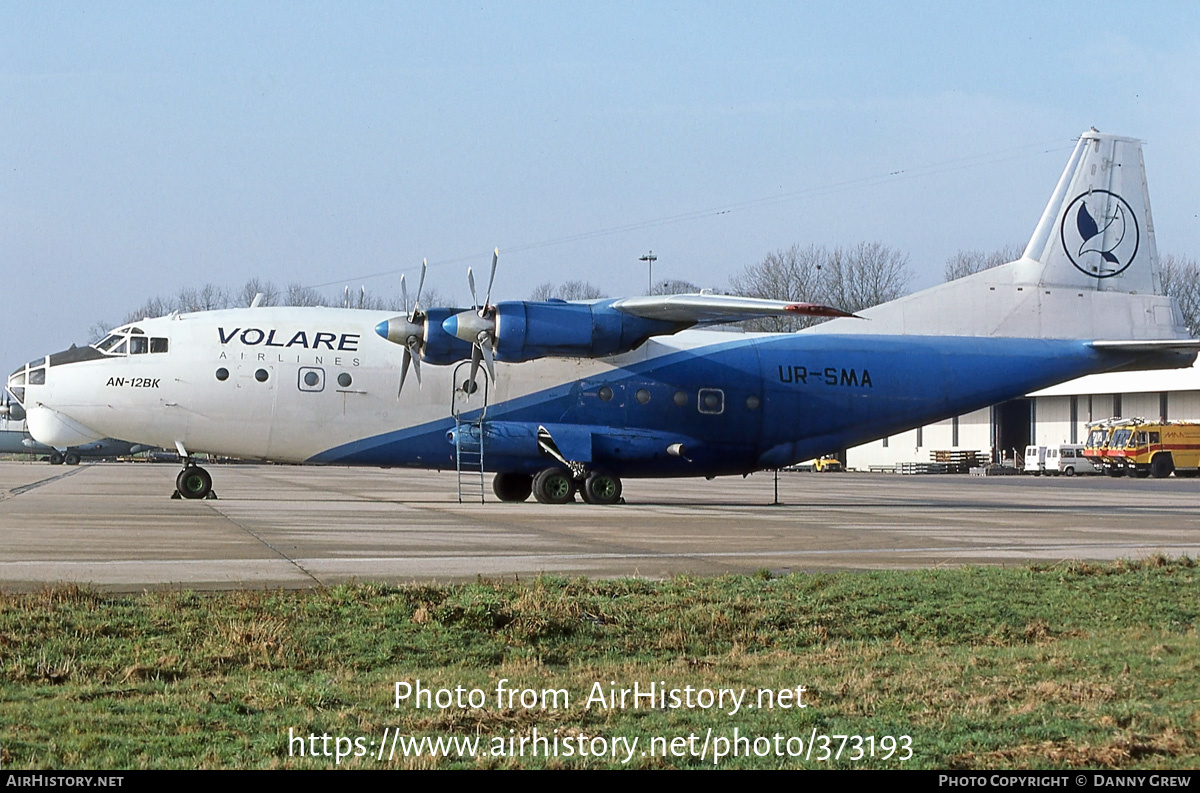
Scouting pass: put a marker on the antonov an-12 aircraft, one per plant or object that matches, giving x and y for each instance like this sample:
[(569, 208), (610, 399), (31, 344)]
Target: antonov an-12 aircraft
[(559, 397)]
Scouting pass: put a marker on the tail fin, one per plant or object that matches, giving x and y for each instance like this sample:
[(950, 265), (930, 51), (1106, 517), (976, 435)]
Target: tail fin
[(1090, 270), (1096, 232)]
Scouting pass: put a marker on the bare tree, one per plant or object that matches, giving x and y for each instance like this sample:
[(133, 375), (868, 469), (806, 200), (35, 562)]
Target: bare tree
[(154, 307), (300, 295), (849, 278), (253, 287), (866, 275), (674, 286), (206, 298), (571, 290), (966, 263), (1181, 280), (791, 274)]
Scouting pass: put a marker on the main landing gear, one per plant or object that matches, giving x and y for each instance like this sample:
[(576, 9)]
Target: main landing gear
[(558, 486), (193, 482)]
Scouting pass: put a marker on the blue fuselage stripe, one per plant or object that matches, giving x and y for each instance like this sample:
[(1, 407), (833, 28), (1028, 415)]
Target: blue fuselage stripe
[(759, 401)]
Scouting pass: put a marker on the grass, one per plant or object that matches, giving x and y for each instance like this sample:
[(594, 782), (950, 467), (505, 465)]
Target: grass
[(1064, 666)]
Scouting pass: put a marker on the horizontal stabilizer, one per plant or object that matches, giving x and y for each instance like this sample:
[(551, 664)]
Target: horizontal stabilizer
[(1161, 345), (1153, 354)]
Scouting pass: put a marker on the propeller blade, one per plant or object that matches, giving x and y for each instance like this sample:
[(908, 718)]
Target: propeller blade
[(485, 346), (476, 354), (471, 281), (414, 349), (404, 296), (403, 370), (487, 301), (420, 286)]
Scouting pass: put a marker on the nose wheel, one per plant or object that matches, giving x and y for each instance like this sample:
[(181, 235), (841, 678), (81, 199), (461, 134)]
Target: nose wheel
[(194, 482)]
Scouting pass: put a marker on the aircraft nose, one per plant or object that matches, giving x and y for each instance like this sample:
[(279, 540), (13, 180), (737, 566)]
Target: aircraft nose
[(32, 373)]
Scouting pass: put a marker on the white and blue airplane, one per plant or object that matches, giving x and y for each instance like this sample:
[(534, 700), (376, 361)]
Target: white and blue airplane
[(559, 397)]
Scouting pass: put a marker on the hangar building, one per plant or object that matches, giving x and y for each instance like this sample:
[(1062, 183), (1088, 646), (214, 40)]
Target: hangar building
[(1048, 417)]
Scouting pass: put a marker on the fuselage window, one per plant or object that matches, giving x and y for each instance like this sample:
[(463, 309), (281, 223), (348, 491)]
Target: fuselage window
[(261, 375), (605, 393), (642, 396), (752, 402), (139, 345), (37, 376), (680, 398), (158, 344), (222, 374), (711, 400), (311, 379), (344, 380)]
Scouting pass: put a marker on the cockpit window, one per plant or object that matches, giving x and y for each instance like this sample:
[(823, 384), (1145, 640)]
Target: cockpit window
[(131, 341), (108, 342)]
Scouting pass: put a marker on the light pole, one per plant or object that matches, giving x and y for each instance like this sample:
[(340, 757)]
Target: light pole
[(649, 259)]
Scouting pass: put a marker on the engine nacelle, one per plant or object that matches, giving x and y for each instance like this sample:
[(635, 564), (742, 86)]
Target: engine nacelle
[(440, 347), (526, 330)]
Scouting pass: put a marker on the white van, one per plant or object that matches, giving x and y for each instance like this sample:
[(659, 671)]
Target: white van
[(1035, 460), (1066, 459)]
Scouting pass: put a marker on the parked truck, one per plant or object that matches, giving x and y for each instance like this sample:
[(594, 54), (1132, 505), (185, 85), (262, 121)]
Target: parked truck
[(1157, 448)]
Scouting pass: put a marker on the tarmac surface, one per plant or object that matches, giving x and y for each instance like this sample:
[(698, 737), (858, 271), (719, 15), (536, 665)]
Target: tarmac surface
[(114, 526)]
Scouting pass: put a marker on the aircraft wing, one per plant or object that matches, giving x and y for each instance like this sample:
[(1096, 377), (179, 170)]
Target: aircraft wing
[(708, 309)]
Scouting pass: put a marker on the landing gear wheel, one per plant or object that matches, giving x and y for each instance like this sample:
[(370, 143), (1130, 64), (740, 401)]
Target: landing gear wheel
[(194, 482), (71, 458), (1162, 466), (56, 458), (512, 487), (601, 488), (553, 486)]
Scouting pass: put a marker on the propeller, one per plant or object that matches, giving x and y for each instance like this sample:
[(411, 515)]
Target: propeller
[(478, 326), (408, 330)]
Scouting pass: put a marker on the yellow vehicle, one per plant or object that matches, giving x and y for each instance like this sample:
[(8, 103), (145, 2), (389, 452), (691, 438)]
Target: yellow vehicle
[(1099, 449), (1157, 448), (825, 465)]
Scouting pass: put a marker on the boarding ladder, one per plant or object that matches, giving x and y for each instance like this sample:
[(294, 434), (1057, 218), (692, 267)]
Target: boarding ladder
[(469, 407)]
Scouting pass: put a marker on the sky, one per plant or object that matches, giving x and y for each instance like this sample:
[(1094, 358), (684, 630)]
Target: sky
[(147, 147)]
